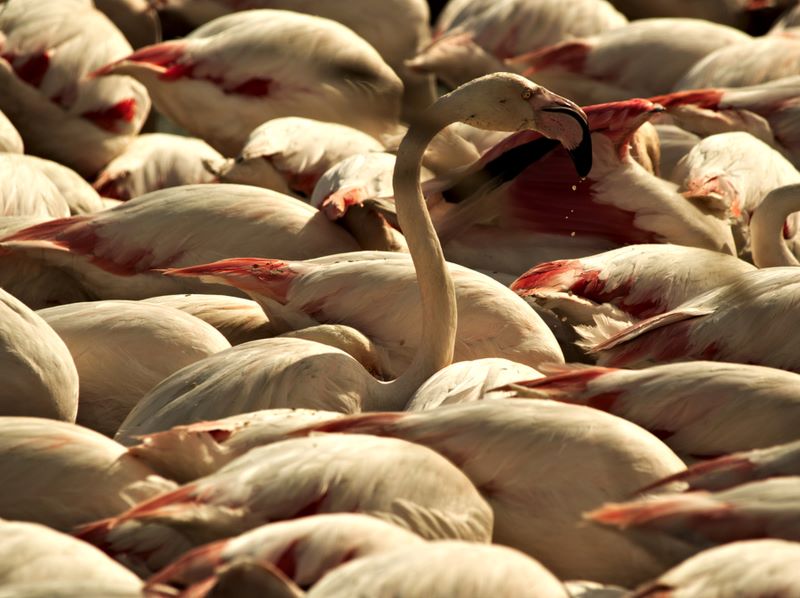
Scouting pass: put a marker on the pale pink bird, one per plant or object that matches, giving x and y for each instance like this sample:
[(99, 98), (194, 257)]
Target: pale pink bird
[(400, 482), (112, 254), (771, 226), (31, 553), (700, 409), (768, 111), (156, 161), (80, 197), (472, 38), (749, 62), (629, 283), (239, 320), (39, 375), (746, 569), (291, 154), (238, 71), (739, 322), (48, 47), (353, 193), (518, 205), (63, 475), (124, 348), (304, 549), (618, 64), (348, 289), (10, 140), (508, 449), (441, 570), (27, 191), (31, 281), (523, 105), (739, 468), (467, 381), (676, 526), (732, 173), (397, 29), (185, 453)]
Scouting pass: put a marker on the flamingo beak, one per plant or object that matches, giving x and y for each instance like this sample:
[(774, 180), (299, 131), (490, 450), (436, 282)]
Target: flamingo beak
[(580, 146)]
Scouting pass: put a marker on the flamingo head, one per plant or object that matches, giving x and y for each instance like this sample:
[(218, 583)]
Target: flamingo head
[(510, 102)]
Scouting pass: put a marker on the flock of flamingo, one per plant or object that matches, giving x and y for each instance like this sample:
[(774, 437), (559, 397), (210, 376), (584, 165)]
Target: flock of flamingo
[(312, 298)]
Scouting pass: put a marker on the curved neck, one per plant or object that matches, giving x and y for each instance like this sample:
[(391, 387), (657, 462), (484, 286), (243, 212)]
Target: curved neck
[(437, 293), (766, 228)]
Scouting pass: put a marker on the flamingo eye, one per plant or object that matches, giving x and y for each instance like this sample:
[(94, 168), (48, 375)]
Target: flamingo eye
[(527, 94)]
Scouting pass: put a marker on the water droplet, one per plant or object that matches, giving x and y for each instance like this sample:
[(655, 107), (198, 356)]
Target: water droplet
[(572, 234), (574, 187)]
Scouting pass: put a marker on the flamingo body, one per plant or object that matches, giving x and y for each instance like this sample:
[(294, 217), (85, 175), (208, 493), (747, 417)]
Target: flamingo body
[(397, 481), (63, 475), (156, 161), (40, 378), (124, 348), (112, 253), (236, 72)]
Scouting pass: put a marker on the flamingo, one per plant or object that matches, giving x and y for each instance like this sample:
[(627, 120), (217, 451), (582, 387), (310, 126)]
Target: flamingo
[(699, 409), (124, 348), (684, 524), (185, 453), (471, 38), (506, 102), (768, 228), (440, 570), (747, 568), (740, 468), (628, 283), (738, 322), (507, 447), (40, 378), (31, 552), (239, 320), (39, 196), (48, 48), (346, 289), (466, 381), (504, 447), (499, 215), (736, 170), (768, 111), (291, 154), (349, 191), (10, 140), (111, 254), (618, 64), (27, 279), (80, 197), (303, 549), (62, 475), (156, 161), (749, 62), (236, 72), (397, 481), (397, 29)]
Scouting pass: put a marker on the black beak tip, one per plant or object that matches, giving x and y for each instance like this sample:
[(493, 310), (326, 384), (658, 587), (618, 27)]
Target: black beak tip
[(582, 155)]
